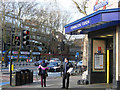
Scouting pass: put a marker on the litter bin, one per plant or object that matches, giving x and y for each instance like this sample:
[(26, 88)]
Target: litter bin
[(16, 75), (27, 75), (18, 79), (31, 76), (23, 77)]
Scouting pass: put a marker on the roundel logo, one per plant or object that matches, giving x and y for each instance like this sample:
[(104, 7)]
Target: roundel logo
[(99, 4)]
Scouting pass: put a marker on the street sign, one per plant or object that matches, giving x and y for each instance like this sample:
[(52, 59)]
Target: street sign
[(77, 53)]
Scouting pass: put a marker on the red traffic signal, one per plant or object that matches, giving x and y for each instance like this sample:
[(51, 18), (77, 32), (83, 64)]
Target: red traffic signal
[(26, 32), (25, 36)]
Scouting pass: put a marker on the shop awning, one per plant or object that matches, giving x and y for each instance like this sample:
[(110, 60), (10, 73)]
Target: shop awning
[(95, 21)]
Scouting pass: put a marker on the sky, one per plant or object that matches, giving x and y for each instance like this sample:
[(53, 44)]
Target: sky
[(64, 6), (69, 7)]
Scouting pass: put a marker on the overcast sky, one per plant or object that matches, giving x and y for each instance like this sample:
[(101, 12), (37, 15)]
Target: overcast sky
[(62, 5)]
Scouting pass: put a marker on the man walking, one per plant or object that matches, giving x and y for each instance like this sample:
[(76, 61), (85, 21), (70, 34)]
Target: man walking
[(66, 66)]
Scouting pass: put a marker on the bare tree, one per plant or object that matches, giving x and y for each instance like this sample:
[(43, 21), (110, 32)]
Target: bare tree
[(15, 13), (81, 7), (43, 22)]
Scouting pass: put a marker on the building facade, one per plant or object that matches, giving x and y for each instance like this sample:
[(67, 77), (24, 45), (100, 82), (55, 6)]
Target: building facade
[(103, 28)]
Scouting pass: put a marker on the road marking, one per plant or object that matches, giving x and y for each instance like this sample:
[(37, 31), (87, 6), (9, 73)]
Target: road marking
[(4, 83)]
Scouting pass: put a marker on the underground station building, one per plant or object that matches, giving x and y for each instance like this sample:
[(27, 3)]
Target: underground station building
[(103, 30)]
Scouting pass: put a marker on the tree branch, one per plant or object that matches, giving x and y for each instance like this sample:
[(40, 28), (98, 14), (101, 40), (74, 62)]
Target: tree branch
[(78, 7)]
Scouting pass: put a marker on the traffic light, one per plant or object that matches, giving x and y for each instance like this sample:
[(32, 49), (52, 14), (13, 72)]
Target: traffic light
[(59, 46), (17, 40), (25, 35), (62, 46)]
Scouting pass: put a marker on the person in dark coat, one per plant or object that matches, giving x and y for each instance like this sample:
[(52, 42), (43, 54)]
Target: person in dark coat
[(66, 75), (43, 72)]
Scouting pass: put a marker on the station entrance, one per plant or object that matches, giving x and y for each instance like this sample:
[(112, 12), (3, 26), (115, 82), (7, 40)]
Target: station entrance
[(103, 29), (101, 56)]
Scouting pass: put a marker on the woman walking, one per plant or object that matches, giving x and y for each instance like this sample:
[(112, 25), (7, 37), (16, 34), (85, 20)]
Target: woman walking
[(43, 73)]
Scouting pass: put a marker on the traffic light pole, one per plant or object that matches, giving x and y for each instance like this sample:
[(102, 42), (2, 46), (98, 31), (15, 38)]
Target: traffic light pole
[(11, 61), (61, 55)]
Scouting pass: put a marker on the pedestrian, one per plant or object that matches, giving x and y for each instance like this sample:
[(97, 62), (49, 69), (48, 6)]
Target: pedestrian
[(66, 66), (43, 73)]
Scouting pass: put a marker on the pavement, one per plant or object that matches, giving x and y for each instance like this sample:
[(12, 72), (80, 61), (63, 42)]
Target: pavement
[(53, 82), (56, 82)]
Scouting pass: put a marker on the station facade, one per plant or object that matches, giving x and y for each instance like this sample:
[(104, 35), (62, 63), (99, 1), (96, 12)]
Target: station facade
[(103, 28)]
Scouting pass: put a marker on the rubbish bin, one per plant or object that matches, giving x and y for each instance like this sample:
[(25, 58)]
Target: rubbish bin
[(23, 77), (27, 75), (18, 79), (31, 76), (16, 75)]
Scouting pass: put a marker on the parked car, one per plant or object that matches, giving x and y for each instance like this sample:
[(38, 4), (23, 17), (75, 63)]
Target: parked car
[(79, 63), (37, 63), (54, 59), (53, 67)]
